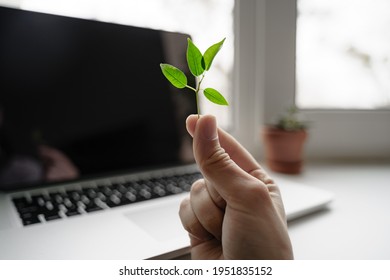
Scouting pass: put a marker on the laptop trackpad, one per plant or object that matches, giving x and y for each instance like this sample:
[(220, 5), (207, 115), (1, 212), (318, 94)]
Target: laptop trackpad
[(160, 222)]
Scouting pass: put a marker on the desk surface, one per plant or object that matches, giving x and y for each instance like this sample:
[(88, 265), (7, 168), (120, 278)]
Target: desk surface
[(357, 223)]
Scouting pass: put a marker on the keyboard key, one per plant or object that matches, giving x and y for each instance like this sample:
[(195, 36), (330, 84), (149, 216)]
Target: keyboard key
[(68, 204), (51, 215), (105, 190), (73, 212), (29, 208), (159, 191), (145, 193), (101, 196), (20, 202), (131, 197), (30, 221), (90, 193), (27, 215), (92, 208)]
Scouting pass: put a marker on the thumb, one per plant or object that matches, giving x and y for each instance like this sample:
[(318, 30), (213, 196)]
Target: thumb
[(215, 164)]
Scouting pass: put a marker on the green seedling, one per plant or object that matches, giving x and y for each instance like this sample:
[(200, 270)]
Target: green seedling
[(198, 65)]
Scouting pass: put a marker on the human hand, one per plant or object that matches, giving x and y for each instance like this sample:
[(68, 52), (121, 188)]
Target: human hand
[(236, 211), (57, 165)]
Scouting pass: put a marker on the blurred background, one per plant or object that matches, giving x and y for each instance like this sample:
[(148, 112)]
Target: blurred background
[(329, 58)]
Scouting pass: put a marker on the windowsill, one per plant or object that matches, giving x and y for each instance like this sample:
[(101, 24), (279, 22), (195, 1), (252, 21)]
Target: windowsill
[(356, 224)]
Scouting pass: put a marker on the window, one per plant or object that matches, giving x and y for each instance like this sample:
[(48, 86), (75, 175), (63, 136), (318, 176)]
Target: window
[(334, 132), (207, 21), (343, 54)]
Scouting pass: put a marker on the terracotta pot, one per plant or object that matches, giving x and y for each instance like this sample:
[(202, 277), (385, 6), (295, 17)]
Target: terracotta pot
[(284, 149)]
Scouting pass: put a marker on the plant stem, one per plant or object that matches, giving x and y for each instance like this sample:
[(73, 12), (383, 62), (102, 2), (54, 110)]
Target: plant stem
[(201, 80), (197, 103), (191, 88), (197, 98), (196, 94)]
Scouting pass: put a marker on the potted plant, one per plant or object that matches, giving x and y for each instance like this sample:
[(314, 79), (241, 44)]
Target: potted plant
[(284, 143)]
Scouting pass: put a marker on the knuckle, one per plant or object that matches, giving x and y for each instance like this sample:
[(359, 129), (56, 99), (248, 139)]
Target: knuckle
[(260, 174), (193, 227), (189, 221), (256, 194), (186, 217), (211, 219), (273, 188), (185, 203), (197, 186), (217, 160), (217, 198), (189, 227)]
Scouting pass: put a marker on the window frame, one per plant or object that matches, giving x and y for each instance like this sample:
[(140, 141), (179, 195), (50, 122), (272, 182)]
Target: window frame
[(265, 48)]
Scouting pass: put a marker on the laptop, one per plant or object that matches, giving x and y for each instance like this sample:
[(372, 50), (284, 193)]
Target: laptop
[(94, 156)]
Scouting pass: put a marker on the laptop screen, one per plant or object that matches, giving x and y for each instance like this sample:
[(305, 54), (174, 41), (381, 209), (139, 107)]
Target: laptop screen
[(80, 98)]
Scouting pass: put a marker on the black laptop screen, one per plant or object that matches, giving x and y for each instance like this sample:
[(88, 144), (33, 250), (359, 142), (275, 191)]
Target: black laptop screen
[(80, 98)]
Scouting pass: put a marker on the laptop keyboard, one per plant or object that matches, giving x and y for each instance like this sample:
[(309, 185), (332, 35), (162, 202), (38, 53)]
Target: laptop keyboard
[(50, 206)]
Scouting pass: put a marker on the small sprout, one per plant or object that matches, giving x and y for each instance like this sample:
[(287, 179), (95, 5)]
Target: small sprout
[(291, 121), (198, 64)]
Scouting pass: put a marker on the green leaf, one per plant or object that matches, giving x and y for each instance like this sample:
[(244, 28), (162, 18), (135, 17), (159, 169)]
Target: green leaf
[(210, 53), (174, 75), (214, 96), (194, 59)]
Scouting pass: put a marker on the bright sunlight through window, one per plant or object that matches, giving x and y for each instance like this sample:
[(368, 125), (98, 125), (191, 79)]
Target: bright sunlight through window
[(343, 54)]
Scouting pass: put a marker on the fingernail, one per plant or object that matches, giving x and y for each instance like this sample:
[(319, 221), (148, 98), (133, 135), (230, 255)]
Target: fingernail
[(210, 128)]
